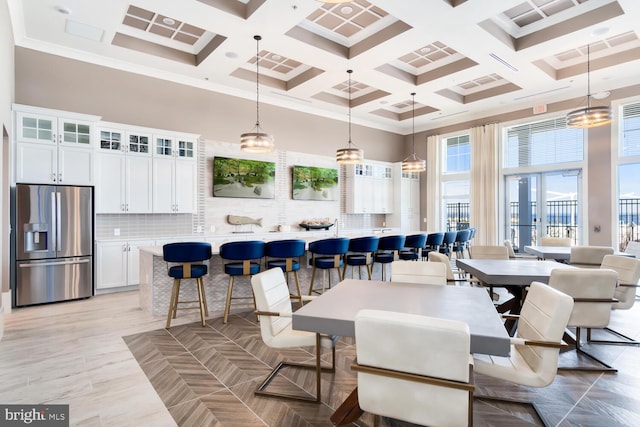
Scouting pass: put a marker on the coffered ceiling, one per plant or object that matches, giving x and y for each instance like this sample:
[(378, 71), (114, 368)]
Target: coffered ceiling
[(465, 59)]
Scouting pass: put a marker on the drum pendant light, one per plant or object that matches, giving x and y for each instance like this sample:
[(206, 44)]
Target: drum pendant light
[(257, 141), (589, 117), (414, 163), (351, 155)]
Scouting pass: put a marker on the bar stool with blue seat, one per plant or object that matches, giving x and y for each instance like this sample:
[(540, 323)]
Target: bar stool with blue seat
[(327, 254), (244, 257), (361, 251), (286, 255), (388, 247), (433, 243), (447, 242), (185, 260), (412, 246), (462, 242)]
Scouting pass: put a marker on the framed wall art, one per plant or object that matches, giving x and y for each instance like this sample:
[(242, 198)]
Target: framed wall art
[(243, 178), (313, 183)]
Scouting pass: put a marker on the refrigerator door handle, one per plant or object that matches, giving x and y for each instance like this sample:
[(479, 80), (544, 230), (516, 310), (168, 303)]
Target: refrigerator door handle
[(54, 222), (46, 264), (58, 223)]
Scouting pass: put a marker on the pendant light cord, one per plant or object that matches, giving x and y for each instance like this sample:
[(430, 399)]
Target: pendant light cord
[(349, 71), (257, 39), (413, 121), (588, 76)]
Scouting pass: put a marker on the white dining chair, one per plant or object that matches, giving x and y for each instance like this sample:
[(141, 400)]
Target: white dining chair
[(423, 272), (535, 347), (401, 376)]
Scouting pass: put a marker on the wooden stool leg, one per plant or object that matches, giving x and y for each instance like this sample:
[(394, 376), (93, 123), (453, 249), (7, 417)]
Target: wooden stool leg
[(173, 302), (201, 301), (227, 304), (204, 298), (313, 276), (295, 276)]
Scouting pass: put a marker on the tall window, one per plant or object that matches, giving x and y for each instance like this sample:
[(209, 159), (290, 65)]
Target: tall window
[(628, 171), (455, 182), (542, 169)]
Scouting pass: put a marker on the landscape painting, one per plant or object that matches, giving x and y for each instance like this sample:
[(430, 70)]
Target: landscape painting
[(243, 178), (312, 183)]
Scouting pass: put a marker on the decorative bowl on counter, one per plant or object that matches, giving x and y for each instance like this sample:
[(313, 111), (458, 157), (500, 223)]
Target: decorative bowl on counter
[(316, 226)]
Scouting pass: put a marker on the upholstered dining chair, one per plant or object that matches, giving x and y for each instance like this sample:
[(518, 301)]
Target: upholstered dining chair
[(423, 272), (327, 255), (412, 246), (488, 252), (628, 270), (555, 241), (434, 240), (589, 256), (361, 251), (513, 254), (535, 348), (592, 292), (185, 260), (388, 248), (405, 378), (454, 277), (286, 255), (273, 307), (240, 258)]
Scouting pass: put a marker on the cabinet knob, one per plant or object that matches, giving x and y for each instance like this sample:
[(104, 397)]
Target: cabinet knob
[(122, 207), (53, 177), (59, 177)]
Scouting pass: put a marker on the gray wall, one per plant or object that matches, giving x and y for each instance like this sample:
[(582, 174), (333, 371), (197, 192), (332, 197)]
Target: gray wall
[(50, 81)]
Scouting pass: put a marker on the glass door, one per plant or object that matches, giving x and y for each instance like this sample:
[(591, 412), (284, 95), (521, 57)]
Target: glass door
[(542, 204)]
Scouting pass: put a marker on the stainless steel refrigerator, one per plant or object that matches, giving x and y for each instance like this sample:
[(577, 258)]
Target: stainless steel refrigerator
[(53, 243)]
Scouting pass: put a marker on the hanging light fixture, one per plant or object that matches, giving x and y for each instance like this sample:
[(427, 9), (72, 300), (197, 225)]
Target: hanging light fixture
[(351, 155), (414, 163), (589, 117), (257, 141)]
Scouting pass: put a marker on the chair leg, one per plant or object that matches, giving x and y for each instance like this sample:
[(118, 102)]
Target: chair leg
[(227, 304), (317, 366), (603, 366), (369, 270), (173, 302), (522, 402), (624, 340)]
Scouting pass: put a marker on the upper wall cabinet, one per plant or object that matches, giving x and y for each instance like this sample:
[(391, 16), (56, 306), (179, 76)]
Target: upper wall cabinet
[(53, 147), (123, 170), (369, 188), (406, 210), (174, 174)]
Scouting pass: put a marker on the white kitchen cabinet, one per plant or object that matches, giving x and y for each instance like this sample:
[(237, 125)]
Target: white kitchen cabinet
[(124, 172), (118, 262), (174, 175), (369, 188), (51, 149), (406, 211)]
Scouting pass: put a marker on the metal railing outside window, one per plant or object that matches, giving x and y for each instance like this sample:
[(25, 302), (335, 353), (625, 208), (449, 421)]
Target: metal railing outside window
[(457, 216), (562, 220)]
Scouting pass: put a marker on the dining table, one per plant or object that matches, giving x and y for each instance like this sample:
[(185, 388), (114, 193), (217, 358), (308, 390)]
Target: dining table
[(558, 253), (334, 311), (513, 274)]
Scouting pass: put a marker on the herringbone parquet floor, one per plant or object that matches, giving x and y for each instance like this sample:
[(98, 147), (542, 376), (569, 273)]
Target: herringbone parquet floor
[(206, 377)]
